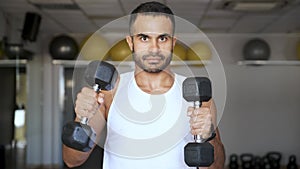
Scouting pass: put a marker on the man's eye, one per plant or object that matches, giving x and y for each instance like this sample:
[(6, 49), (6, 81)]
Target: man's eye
[(163, 38), (144, 38)]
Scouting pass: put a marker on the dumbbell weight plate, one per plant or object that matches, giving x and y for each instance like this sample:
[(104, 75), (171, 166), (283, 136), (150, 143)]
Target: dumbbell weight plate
[(199, 154)]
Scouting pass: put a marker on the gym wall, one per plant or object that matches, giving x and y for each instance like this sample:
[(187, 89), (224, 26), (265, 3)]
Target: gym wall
[(262, 109)]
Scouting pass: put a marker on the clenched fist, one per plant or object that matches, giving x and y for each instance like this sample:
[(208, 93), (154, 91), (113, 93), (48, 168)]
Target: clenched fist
[(88, 103), (202, 120)]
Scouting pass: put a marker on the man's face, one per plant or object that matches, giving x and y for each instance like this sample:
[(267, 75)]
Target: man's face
[(152, 42)]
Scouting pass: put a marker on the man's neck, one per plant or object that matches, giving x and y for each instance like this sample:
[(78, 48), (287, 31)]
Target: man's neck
[(154, 83)]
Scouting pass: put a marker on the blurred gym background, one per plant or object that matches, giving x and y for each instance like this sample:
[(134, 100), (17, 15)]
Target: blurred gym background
[(258, 42)]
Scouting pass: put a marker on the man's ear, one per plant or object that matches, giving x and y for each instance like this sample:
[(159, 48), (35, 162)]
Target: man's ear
[(129, 42), (174, 42)]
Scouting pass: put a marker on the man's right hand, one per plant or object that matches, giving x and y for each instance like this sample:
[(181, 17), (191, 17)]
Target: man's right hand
[(88, 103)]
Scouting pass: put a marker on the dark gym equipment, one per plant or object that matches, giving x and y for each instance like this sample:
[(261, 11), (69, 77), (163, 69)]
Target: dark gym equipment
[(257, 163), (256, 49), (31, 26), (197, 89), (233, 163), (292, 163), (266, 163), (274, 159), (247, 161), (79, 135), (198, 153), (101, 73), (63, 47), (17, 51)]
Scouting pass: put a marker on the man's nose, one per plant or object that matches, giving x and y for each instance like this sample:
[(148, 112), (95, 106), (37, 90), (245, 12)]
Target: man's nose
[(154, 47)]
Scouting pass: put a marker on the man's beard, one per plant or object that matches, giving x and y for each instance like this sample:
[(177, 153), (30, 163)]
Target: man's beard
[(140, 63)]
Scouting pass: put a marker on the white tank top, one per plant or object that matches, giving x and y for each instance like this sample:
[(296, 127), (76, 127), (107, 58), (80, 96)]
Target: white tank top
[(146, 131)]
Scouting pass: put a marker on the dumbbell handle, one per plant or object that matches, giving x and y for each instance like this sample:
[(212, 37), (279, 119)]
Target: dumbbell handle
[(84, 120), (198, 138)]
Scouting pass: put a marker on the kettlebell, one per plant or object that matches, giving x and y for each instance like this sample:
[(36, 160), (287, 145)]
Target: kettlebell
[(233, 163), (292, 163)]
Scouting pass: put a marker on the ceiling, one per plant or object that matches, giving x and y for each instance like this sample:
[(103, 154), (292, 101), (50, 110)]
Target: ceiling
[(213, 16)]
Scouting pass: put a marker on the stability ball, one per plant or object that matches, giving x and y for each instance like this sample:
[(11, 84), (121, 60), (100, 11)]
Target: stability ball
[(179, 52), (63, 47), (199, 51), (256, 49), (94, 47), (120, 51)]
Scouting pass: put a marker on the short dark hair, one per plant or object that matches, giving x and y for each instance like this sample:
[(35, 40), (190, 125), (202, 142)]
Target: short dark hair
[(152, 8)]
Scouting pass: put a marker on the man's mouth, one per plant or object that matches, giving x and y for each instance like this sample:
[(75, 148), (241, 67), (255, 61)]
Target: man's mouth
[(153, 60)]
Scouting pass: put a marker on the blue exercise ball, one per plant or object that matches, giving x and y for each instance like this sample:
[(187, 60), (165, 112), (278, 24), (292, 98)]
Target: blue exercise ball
[(256, 49), (63, 47)]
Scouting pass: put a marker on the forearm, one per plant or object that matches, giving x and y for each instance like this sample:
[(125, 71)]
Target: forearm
[(219, 157), (74, 158), (219, 152)]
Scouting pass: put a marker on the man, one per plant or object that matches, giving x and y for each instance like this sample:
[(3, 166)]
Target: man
[(145, 126)]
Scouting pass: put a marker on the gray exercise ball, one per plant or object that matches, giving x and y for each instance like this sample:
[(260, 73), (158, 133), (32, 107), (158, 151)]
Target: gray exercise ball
[(63, 47), (256, 49)]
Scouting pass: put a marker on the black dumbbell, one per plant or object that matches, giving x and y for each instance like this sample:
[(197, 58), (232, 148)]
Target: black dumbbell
[(79, 135), (199, 153), (274, 159), (247, 161), (292, 163), (233, 163)]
